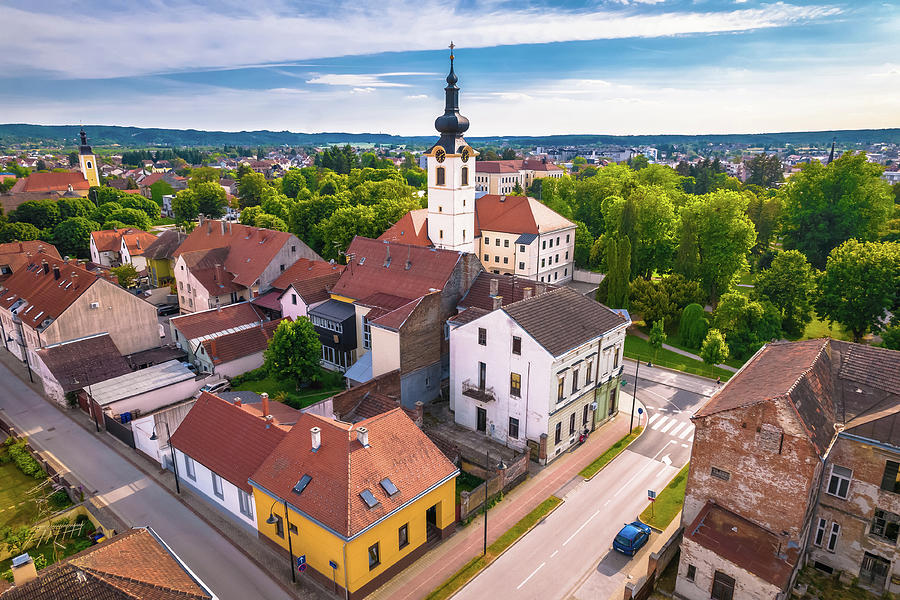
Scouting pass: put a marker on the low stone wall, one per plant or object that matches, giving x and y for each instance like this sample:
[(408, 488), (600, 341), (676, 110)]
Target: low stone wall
[(642, 587), (495, 482), (588, 276)]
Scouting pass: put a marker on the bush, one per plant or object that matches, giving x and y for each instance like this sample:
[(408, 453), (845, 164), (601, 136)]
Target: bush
[(7, 575), (59, 499), (23, 459), (694, 325), (40, 561), (254, 375)]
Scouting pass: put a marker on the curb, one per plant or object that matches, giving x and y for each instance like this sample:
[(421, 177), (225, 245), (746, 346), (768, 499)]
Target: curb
[(637, 437), (505, 550)]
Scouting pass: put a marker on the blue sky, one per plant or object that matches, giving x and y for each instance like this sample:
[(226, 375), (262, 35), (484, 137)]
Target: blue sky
[(526, 67)]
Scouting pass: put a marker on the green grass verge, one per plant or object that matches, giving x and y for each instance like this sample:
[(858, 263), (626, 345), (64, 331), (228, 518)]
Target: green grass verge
[(273, 387), (164, 221), (474, 566), (640, 349), (674, 339), (819, 329), (668, 502), (611, 452)]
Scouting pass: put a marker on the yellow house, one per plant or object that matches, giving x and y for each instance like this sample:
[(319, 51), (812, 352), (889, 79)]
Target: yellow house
[(160, 264), (359, 501)]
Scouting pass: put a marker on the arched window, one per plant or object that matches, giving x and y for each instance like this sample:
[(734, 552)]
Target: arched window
[(465, 175), (440, 175), (89, 164)]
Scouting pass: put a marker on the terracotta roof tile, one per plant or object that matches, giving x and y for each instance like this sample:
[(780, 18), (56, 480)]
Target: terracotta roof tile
[(16, 255), (412, 228), (165, 245), (208, 268), (516, 214), (245, 342), (216, 320), (316, 289), (512, 289), (394, 319), (138, 241), (468, 315), (342, 468), (229, 440), (51, 182), (305, 269), (80, 363)]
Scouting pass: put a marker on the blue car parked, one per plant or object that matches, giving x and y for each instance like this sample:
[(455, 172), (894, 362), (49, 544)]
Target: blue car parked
[(631, 538)]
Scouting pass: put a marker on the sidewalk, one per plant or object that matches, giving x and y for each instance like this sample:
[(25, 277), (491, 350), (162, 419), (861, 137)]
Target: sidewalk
[(419, 579), (639, 565), (638, 333)]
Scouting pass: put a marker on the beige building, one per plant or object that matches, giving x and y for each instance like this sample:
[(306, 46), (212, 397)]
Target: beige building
[(501, 176), (52, 301)]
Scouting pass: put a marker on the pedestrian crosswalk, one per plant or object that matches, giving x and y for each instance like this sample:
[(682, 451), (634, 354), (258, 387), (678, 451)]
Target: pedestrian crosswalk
[(682, 430)]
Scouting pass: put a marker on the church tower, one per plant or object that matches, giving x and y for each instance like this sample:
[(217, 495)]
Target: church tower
[(88, 162), (451, 177)]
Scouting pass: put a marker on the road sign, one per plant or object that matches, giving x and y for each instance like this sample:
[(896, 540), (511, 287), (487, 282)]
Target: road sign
[(332, 564), (640, 411), (651, 495), (301, 563)]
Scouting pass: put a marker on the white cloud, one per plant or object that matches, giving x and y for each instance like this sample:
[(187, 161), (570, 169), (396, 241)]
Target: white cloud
[(371, 81), (121, 43), (416, 97), (362, 90)]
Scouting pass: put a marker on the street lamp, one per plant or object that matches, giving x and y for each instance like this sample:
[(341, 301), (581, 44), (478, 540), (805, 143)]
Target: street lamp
[(272, 520), (637, 367), (154, 437), (501, 466)]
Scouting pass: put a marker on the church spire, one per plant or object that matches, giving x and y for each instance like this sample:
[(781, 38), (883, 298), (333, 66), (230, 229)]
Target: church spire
[(85, 149), (831, 155), (451, 124)]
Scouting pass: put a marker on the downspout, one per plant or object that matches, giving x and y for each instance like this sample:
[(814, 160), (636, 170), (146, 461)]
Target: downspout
[(346, 580), (527, 395)]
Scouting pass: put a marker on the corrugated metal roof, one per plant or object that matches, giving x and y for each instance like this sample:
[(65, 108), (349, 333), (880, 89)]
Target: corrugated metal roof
[(140, 382)]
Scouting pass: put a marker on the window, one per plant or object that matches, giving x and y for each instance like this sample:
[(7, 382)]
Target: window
[(440, 181), (543, 263), (441, 234), (584, 415), (567, 238), (544, 245), (189, 468), (616, 357), (487, 241), (191, 302), (465, 181), (720, 474), (403, 536), (574, 380), (691, 572), (217, 486), (521, 248), (558, 437), (506, 243), (497, 242), (282, 268), (181, 285), (189, 287), (833, 538), (556, 276), (517, 345), (440, 209), (496, 259), (486, 258), (521, 266), (567, 255), (367, 334), (839, 483), (514, 428), (374, 555), (890, 482), (294, 299), (561, 389), (723, 587), (292, 528), (572, 424), (566, 272), (505, 260), (515, 385), (244, 502), (293, 248), (557, 241), (482, 336), (820, 532), (551, 243), (590, 372), (279, 526), (327, 324), (885, 525)]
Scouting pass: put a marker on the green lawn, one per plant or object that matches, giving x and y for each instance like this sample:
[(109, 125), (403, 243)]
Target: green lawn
[(297, 399), (818, 329), (58, 551), (640, 349), (668, 502), (164, 221), (674, 339), (474, 566), (611, 452), (15, 510)]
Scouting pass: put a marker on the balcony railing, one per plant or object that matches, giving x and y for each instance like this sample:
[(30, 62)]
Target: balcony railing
[(477, 392)]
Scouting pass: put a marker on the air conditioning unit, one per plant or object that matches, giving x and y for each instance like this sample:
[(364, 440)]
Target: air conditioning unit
[(593, 406), (95, 305)]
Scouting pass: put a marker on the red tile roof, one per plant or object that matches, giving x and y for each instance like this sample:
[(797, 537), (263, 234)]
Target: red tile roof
[(305, 269), (316, 289), (208, 268), (250, 250), (138, 241), (342, 468), (495, 166), (229, 440), (216, 320), (50, 182), (516, 214), (429, 269), (46, 296), (395, 318), (510, 288), (412, 228), (110, 240), (18, 254), (245, 342)]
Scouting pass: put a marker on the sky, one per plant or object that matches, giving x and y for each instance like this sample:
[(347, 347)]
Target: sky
[(525, 67)]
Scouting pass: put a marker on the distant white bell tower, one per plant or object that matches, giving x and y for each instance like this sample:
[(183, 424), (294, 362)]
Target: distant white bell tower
[(451, 177)]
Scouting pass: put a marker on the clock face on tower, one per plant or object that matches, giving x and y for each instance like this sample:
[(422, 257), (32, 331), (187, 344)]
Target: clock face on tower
[(465, 155), (440, 155)]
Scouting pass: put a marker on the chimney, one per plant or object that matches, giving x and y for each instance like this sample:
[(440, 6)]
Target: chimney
[(265, 404), (21, 248), (316, 438), (138, 243), (45, 266), (387, 257), (23, 569), (200, 217), (270, 420), (498, 302), (55, 271), (208, 227), (495, 286), (420, 413), (362, 434), (526, 293), (222, 223), (540, 289), (502, 198), (237, 401), (218, 273)]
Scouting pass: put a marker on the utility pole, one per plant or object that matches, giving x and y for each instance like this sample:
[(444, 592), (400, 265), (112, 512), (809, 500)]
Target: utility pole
[(634, 394)]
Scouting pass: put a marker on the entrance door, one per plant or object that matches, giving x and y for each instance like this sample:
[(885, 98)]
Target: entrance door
[(873, 571), (482, 419)]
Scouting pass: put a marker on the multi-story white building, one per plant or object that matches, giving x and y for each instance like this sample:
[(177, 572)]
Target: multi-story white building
[(536, 373)]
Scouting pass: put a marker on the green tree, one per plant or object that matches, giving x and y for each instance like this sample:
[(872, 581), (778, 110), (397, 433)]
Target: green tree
[(102, 213), (747, 324), (826, 205), (765, 213), (126, 274), (43, 214), (338, 230), (75, 207), (714, 350), (508, 154), (185, 206), (72, 237), (650, 300), (137, 202), (765, 170), (657, 337), (18, 232), (890, 336), (638, 162), (860, 284), (294, 352), (292, 182), (789, 284), (73, 159), (267, 221), (693, 326), (517, 190), (249, 215), (132, 217), (619, 259), (583, 243), (251, 189), (203, 175)]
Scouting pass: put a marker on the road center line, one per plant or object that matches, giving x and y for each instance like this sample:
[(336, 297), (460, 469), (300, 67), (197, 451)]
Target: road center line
[(555, 552), (530, 576), (577, 531)]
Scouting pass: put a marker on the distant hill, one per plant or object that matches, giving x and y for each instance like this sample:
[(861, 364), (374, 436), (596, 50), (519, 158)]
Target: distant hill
[(105, 135)]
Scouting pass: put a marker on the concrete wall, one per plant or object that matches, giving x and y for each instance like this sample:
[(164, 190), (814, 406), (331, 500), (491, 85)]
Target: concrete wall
[(289, 309), (202, 483), (385, 351), (747, 586), (422, 385), (52, 388), (130, 321), (588, 276)]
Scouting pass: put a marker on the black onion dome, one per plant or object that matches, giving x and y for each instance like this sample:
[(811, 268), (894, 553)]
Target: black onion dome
[(451, 124)]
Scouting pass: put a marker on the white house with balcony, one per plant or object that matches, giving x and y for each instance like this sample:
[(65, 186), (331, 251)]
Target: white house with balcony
[(535, 374)]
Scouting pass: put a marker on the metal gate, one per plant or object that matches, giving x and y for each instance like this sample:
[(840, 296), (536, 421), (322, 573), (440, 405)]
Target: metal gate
[(122, 432)]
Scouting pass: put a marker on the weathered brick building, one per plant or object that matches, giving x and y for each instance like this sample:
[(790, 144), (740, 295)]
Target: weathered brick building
[(754, 511)]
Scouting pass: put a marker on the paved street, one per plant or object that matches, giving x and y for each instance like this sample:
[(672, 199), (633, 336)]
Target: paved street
[(569, 554), (135, 498)]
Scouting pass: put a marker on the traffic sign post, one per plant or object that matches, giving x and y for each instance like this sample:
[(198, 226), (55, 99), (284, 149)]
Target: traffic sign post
[(301, 563), (651, 496), (333, 566)]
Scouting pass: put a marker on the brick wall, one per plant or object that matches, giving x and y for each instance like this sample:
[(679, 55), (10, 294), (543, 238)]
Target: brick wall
[(421, 335), (388, 384)]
